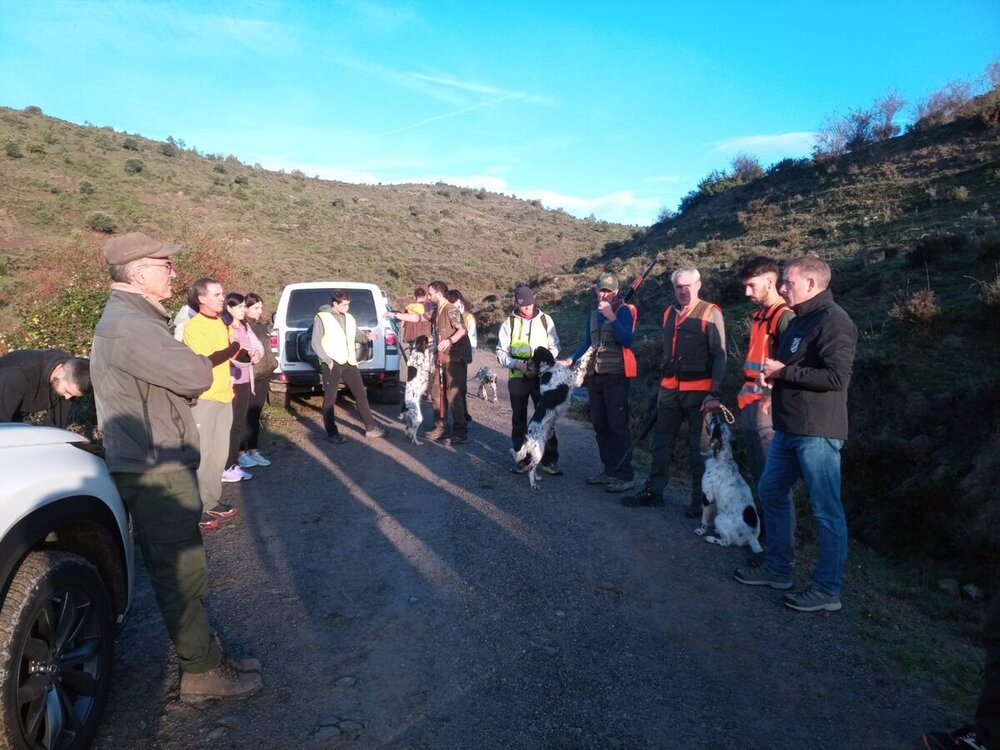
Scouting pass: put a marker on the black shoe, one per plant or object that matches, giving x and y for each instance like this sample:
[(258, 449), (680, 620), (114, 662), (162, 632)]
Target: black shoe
[(966, 738), (552, 471), (455, 440), (336, 439), (645, 498)]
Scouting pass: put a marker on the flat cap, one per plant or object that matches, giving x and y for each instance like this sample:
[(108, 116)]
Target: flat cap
[(136, 245), (608, 281)]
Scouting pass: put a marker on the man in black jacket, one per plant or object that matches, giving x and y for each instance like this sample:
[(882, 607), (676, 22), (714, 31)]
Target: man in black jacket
[(810, 374), (34, 380)]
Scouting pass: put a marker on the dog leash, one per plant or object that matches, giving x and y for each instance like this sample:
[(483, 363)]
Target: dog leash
[(726, 414)]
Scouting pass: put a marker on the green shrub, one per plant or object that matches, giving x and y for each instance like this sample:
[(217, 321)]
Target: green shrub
[(101, 221), (935, 247), (86, 187), (241, 179), (130, 144), (220, 168), (36, 148), (13, 150), (134, 166), (168, 149), (31, 109), (218, 180)]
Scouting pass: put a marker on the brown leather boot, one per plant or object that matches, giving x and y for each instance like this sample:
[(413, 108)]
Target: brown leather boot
[(244, 664), (222, 683)]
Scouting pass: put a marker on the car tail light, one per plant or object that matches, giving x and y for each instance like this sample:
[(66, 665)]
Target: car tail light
[(282, 377), (274, 341), (381, 377), (390, 338)]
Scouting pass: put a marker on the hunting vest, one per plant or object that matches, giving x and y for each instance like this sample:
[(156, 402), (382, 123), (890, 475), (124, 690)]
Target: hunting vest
[(687, 363), (338, 338), (412, 331), (526, 336), (461, 350), (610, 357), (763, 344)]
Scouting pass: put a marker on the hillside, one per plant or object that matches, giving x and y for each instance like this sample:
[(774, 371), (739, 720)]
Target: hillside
[(58, 180)]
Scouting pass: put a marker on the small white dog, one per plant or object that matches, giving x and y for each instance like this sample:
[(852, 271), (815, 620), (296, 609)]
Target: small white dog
[(487, 380), (730, 503), (422, 360), (556, 383)]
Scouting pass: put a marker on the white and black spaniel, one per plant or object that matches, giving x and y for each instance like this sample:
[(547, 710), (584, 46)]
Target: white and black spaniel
[(556, 384)]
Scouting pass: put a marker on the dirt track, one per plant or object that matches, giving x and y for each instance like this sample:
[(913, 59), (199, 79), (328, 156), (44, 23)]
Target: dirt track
[(423, 597)]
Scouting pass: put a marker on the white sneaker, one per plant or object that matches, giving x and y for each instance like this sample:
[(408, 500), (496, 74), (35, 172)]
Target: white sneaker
[(258, 458), (233, 474), (244, 475), (246, 460)]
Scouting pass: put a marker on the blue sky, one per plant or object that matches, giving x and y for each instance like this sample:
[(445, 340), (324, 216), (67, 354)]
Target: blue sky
[(610, 109)]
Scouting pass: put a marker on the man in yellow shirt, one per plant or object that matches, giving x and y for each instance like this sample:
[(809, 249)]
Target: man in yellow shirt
[(205, 333)]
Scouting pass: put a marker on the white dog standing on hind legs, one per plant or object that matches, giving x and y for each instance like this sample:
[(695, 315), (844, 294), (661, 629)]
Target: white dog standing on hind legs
[(422, 360), (556, 384), (730, 505)]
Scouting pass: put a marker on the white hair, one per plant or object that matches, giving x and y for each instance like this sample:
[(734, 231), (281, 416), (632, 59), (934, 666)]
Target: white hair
[(679, 271)]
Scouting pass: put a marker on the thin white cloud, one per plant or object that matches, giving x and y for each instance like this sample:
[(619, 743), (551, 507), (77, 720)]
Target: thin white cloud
[(475, 87), (446, 115), (799, 141)]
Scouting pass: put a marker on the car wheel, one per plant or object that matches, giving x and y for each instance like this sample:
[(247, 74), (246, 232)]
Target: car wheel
[(56, 653)]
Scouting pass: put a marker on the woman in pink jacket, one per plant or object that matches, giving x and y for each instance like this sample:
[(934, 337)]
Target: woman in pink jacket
[(241, 374)]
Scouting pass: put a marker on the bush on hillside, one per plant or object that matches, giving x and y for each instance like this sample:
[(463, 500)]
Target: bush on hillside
[(241, 179), (13, 150), (932, 248), (168, 149), (943, 106), (220, 168), (100, 221), (31, 109), (86, 187), (921, 308), (134, 166), (36, 148), (838, 135), (747, 167), (130, 144)]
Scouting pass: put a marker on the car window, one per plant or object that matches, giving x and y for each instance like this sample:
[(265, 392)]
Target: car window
[(303, 304)]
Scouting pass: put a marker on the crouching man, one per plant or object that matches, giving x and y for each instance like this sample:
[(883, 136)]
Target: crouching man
[(144, 383)]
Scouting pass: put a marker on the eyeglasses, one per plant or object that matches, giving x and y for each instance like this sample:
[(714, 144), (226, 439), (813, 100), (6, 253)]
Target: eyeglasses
[(168, 266)]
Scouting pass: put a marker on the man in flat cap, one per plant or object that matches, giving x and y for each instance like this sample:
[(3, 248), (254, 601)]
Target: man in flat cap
[(144, 383)]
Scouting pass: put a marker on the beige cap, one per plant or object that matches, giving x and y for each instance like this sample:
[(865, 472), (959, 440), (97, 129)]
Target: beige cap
[(136, 245), (608, 281)]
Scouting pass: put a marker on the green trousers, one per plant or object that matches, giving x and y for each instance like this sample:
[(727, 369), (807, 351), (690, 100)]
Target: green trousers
[(165, 509)]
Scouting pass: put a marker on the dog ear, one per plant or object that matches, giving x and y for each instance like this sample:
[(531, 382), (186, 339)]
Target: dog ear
[(543, 356)]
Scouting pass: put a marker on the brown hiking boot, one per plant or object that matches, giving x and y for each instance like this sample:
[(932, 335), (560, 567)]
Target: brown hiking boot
[(222, 683), (244, 664), (437, 434)]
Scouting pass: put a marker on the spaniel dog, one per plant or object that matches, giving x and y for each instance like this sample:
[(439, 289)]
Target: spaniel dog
[(729, 501), (556, 383), (487, 379), (422, 360)]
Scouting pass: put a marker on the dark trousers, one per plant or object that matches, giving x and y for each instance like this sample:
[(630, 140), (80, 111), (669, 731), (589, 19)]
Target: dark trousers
[(988, 710), (609, 416), (455, 387), (522, 390), (241, 404), (256, 407), (165, 509), (331, 383), (673, 408)]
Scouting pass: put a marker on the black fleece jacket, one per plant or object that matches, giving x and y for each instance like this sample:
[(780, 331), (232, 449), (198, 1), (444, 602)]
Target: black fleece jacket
[(810, 394), (25, 387)]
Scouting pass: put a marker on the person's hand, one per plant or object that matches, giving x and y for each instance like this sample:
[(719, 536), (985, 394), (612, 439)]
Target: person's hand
[(390, 315), (604, 308), (255, 356), (771, 368), (710, 404), (444, 345), (372, 336), (764, 406)]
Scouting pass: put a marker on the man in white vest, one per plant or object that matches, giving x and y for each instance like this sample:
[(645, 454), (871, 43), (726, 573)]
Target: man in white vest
[(334, 339)]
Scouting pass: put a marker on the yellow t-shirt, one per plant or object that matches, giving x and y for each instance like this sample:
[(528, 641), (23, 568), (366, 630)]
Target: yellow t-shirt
[(205, 336)]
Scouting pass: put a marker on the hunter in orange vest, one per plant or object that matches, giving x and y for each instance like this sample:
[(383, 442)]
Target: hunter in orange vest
[(760, 283), (692, 368)]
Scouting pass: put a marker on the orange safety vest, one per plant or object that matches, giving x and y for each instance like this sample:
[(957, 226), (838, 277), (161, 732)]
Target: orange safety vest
[(703, 313), (763, 344)]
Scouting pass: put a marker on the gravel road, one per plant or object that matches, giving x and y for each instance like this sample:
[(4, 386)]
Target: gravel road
[(424, 597)]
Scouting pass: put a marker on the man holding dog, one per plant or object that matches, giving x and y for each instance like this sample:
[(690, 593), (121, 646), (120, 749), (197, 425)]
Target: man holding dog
[(693, 366), (810, 374), (520, 334)]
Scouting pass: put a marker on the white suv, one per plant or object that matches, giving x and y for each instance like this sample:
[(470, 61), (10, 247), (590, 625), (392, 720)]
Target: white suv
[(291, 339), (66, 565)]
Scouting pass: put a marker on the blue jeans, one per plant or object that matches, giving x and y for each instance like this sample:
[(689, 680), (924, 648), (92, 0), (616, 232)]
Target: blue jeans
[(817, 461)]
